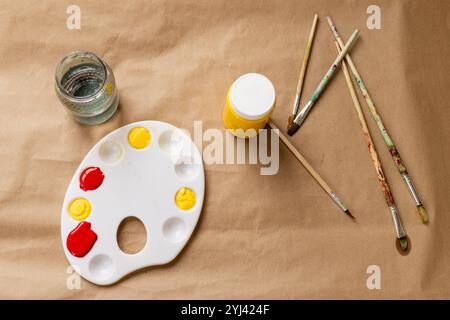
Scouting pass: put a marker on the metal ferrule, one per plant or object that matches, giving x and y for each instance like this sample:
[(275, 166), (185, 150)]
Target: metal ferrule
[(338, 201), (400, 232), (412, 190), (296, 104), (303, 113)]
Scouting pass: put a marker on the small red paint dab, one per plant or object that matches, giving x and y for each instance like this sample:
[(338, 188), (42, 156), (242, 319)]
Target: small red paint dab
[(91, 178), (81, 239)]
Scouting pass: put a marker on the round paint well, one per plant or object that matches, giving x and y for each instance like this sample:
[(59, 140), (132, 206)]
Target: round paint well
[(171, 141), (175, 230), (91, 178), (110, 152), (79, 208), (139, 137), (81, 239), (187, 169), (101, 266), (185, 198)]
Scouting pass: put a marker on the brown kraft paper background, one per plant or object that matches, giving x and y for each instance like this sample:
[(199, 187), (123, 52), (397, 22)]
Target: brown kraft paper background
[(276, 236)]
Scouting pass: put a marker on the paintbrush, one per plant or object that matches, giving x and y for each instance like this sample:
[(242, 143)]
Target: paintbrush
[(386, 137), (301, 77), (310, 169), (399, 230), (295, 125)]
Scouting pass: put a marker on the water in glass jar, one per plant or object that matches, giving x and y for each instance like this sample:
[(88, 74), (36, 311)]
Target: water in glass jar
[(86, 86)]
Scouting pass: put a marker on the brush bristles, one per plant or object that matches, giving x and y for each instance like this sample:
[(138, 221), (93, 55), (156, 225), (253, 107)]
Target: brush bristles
[(290, 120), (422, 213), (349, 214), (403, 243), (293, 127)]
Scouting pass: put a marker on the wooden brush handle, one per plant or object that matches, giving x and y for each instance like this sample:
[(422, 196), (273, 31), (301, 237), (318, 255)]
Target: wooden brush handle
[(301, 159)]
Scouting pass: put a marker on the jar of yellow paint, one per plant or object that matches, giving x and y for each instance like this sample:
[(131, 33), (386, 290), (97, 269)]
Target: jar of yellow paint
[(249, 105)]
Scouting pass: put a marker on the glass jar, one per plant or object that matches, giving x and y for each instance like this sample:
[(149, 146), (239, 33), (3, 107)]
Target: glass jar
[(85, 85)]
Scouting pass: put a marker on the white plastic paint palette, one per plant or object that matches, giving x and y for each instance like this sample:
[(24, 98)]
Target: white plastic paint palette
[(150, 170)]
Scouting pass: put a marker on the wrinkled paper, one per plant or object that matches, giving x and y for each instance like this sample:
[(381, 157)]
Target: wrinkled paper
[(259, 236)]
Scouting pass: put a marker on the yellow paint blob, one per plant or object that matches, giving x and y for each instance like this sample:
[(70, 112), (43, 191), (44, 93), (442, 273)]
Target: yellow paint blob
[(80, 209), (109, 88), (139, 137), (185, 199)]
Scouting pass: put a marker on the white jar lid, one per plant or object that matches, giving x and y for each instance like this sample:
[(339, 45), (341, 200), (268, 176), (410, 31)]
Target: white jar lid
[(252, 96)]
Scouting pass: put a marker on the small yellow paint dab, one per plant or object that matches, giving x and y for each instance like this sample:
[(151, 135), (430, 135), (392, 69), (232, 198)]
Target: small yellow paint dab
[(109, 88), (80, 209), (185, 199), (139, 137)]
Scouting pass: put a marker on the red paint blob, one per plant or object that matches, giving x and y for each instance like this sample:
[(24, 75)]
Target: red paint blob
[(81, 239), (91, 178)]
